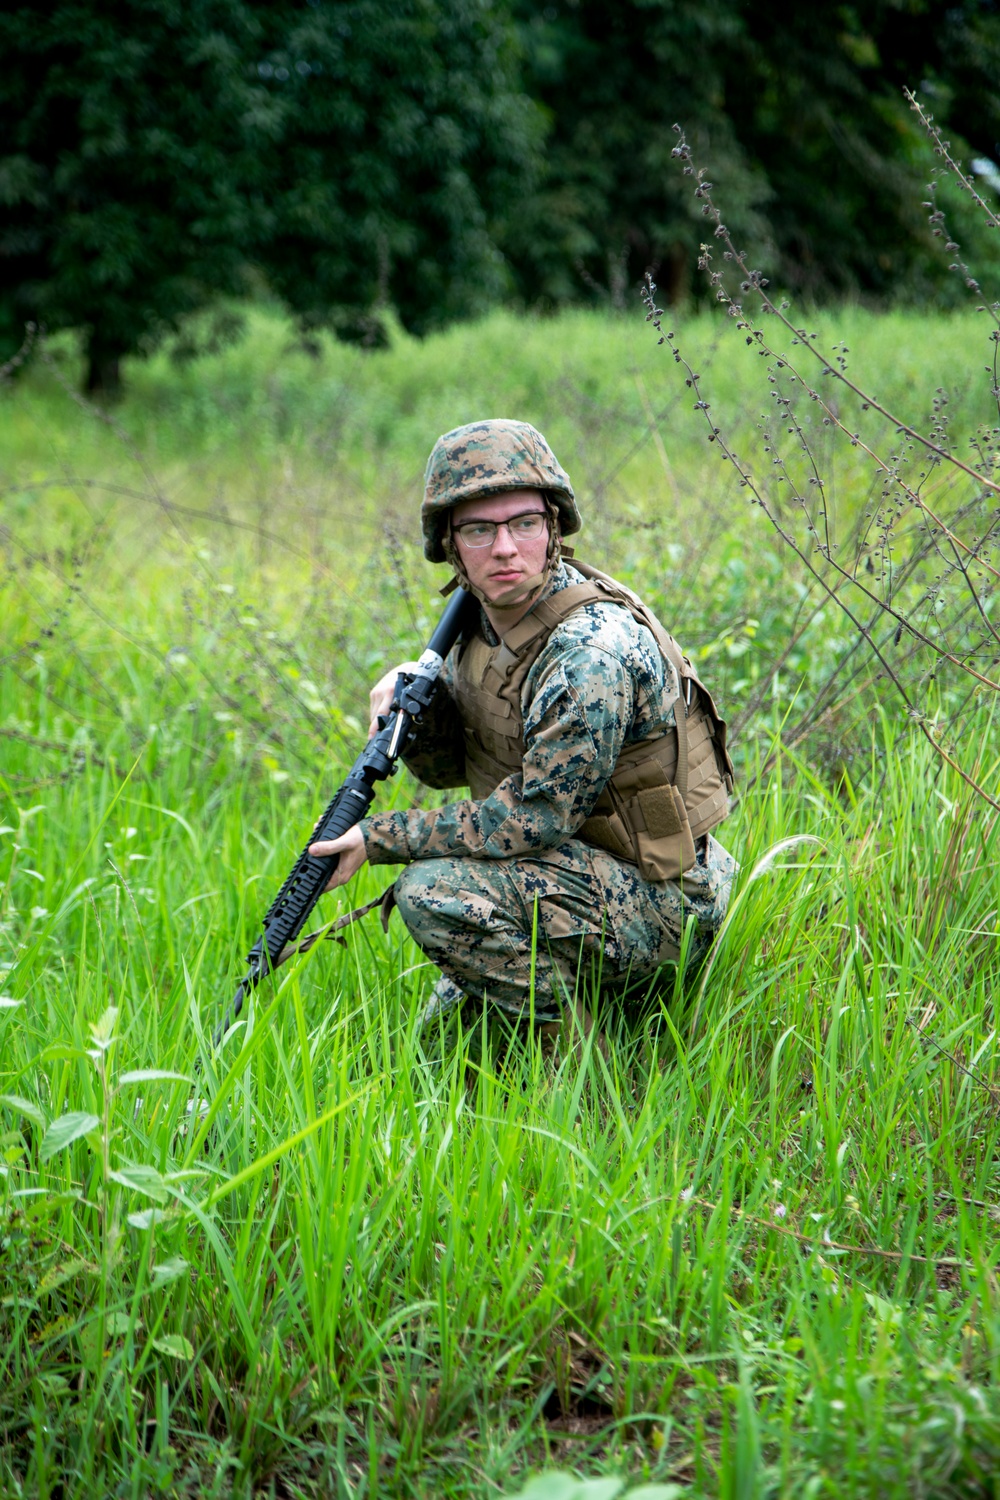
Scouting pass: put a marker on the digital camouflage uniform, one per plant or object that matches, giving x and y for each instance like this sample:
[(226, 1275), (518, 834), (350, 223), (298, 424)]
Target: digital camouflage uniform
[(498, 893)]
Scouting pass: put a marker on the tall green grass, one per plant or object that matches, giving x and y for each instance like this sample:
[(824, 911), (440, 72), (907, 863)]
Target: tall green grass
[(749, 1248)]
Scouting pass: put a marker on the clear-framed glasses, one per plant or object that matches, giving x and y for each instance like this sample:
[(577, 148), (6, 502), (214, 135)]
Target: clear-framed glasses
[(526, 527)]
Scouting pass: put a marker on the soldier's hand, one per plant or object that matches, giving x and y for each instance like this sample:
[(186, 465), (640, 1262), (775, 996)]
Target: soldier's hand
[(380, 697), (351, 848)]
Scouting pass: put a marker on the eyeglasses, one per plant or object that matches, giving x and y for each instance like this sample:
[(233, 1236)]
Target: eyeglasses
[(526, 527)]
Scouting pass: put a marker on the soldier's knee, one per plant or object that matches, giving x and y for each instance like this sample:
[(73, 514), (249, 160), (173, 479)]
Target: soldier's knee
[(408, 893), (421, 888), (435, 896)]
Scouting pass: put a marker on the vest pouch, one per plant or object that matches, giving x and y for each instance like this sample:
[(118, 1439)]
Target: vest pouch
[(661, 833)]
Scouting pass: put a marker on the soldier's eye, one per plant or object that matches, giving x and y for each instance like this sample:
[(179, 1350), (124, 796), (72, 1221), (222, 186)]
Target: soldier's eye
[(526, 527), (478, 532)]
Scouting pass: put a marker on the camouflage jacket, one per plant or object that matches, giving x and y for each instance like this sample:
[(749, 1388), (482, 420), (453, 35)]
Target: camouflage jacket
[(599, 684)]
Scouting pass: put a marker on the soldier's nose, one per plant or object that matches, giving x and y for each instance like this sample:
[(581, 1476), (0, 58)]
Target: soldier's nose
[(504, 544)]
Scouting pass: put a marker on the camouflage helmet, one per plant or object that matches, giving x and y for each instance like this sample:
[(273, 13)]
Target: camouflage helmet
[(489, 458)]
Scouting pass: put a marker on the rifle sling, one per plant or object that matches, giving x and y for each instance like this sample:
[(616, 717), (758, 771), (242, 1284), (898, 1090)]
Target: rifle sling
[(332, 930)]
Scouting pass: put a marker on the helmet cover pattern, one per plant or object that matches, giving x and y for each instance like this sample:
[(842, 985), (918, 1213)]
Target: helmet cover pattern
[(490, 458)]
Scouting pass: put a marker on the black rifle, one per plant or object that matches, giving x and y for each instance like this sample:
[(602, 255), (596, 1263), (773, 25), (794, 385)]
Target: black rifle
[(290, 909)]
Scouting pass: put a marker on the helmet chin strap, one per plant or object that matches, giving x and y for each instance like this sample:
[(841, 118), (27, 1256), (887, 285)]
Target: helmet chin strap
[(518, 593)]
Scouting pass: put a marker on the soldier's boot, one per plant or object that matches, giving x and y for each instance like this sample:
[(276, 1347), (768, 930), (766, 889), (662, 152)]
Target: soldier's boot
[(571, 1033), (444, 997), (581, 1026)]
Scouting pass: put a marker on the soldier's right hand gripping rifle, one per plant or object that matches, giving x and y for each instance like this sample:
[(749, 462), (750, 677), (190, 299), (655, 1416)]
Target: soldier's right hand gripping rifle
[(291, 908)]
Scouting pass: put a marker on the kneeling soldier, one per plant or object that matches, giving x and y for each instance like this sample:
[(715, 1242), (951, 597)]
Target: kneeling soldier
[(595, 757)]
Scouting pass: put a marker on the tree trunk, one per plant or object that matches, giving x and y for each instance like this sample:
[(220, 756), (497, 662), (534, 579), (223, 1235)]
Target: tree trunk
[(675, 275), (104, 381)]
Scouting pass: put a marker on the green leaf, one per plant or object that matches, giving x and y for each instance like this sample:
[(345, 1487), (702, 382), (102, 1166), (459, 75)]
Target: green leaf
[(103, 1031), (554, 1486), (65, 1271), (63, 1052), (150, 1075), (169, 1270), (64, 1131), (141, 1179), (57, 1329), (146, 1218), (25, 1107), (175, 1345), (89, 1337), (657, 1492), (40, 1204), (886, 1312), (558, 1485)]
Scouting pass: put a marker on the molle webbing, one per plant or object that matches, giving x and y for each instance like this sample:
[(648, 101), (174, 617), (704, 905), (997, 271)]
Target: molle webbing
[(664, 792)]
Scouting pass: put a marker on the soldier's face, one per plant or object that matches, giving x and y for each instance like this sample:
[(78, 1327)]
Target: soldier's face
[(506, 562)]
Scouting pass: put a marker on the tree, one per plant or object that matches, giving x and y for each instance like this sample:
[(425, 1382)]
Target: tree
[(613, 79), (797, 111), (154, 154), (391, 183)]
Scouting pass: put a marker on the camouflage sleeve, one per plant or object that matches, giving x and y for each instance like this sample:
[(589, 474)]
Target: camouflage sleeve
[(582, 702), (437, 755)]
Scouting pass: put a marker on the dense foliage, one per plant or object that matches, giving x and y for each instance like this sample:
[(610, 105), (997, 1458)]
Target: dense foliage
[(355, 154), (797, 110), (434, 156)]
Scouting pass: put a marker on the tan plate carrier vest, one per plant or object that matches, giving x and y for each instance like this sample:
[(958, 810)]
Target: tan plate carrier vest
[(663, 793)]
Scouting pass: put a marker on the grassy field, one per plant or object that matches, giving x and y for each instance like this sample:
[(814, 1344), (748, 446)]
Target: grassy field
[(751, 1251)]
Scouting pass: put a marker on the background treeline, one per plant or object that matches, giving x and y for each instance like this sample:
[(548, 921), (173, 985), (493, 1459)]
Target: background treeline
[(433, 157)]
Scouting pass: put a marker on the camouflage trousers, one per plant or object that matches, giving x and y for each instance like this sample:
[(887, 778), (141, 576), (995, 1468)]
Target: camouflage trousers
[(527, 934)]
